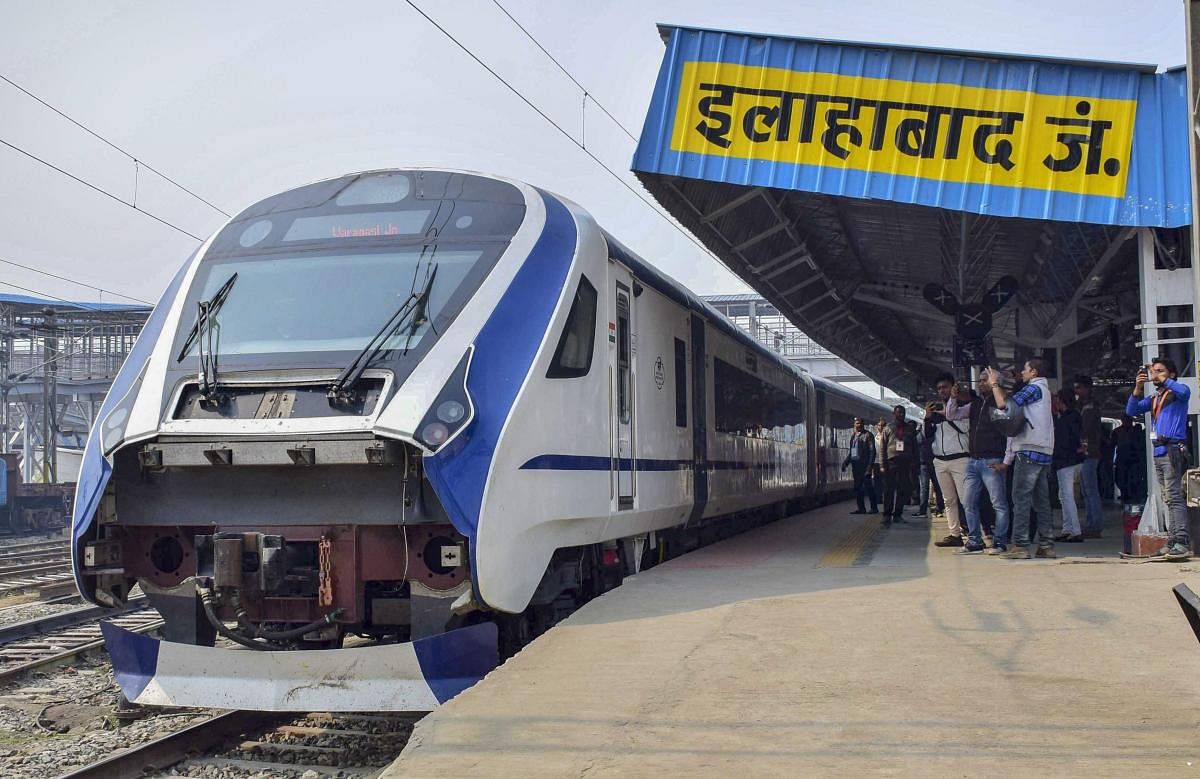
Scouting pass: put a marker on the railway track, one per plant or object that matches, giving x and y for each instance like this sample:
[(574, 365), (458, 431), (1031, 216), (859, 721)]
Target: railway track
[(17, 551), (17, 571), (53, 579), (29, 646), (270, 744), (41, 626), (41, 565), (58, 553)]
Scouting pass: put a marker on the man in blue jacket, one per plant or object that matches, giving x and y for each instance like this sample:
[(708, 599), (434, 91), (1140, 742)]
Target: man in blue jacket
[(1168, 409)]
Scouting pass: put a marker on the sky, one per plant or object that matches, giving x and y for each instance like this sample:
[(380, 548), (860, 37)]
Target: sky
[(237, 101)]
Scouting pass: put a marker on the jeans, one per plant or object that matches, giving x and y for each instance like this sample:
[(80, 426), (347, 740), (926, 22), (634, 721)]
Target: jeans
[(864, 486), (1091, 495), (1067, 479), (1031, 491), (928, 476), (1169, 469), (981, 475)]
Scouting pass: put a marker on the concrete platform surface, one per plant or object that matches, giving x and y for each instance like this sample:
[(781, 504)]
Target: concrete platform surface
[(823, 644)]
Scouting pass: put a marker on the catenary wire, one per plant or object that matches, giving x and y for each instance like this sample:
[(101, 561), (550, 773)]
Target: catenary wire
[(100, 137), (587, 93), (662, 214), (104, 192), (73, 281)]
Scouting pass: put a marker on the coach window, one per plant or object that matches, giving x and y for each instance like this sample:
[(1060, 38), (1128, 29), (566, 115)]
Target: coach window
[(573, 357), (624, 353), (746, 405), (680, 383)]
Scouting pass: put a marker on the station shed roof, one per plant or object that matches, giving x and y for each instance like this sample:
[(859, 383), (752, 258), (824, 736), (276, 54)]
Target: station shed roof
[(43, 303), (844, 182)]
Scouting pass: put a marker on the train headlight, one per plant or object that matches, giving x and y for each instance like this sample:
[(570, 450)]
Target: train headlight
[(451, 411), (112, 427), (435, 434)]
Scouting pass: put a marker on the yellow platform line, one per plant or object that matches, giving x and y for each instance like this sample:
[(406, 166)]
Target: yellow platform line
[(847, 551)]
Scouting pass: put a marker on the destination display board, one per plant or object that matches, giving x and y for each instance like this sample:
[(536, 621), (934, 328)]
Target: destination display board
[(993, 136)]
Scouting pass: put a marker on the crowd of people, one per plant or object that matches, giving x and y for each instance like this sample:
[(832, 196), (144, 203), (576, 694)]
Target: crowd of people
[(992, 460)]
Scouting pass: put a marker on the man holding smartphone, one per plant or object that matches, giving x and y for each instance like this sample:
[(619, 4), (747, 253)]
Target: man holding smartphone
[(1168, 409), (1032, 452)]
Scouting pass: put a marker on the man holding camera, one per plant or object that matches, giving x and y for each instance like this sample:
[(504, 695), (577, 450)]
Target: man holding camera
[(949, 436), (1031, 452), (1168, 409)]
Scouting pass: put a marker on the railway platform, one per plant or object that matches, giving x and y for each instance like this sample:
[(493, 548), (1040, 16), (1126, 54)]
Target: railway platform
[(826, 644)]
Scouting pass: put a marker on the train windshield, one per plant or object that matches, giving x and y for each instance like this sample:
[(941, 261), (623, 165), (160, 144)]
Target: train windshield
[(320, 270), (328, 302)]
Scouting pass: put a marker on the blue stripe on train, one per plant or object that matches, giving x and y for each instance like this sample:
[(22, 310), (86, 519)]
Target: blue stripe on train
[(94, 469), (574, 462), (504, 353)]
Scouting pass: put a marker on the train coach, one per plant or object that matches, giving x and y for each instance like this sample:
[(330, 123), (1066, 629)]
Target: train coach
[(428, 407)]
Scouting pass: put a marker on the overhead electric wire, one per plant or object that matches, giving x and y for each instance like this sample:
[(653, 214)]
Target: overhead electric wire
[(654, 206), (567, 73), (100, 137), (73, 281), (104, 192)]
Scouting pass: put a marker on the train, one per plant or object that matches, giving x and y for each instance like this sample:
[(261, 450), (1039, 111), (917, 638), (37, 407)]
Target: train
[(434, 409), (31, 508)]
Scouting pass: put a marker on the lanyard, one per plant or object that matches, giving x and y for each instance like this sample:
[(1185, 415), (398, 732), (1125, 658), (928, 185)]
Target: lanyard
[(1157, 403)]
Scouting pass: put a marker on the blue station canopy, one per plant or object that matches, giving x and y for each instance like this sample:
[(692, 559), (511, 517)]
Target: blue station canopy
[(985, 134)]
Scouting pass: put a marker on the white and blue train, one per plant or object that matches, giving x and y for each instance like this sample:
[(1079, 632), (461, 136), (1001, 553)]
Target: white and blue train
[(420, 406)]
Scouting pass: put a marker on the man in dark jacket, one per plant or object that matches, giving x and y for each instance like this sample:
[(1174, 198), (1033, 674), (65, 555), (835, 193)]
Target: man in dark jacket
[(899, 449), (985, 470), (1089, 474), (1068, 459), (925, 476), (860, 459), (1129, 441)]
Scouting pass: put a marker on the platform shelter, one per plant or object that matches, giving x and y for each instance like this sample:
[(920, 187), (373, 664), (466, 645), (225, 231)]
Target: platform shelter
[(916, 211)]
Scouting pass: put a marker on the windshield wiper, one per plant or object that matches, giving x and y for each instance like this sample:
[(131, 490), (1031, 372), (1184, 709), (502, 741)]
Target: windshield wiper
[(205, 333), (213, 304), (414, 306)]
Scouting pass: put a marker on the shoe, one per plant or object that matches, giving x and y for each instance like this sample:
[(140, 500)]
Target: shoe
[(1016, 553), (949, 541), (972, 549), (995, 550), (1177, 553), (899, 519), (1046, 551), (1091, 534), (1073, 539), (858, 511), (886, 521), (873, 511), (920, 513), (1062, 537)]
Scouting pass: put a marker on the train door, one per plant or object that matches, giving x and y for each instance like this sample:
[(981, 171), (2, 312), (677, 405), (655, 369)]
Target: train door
[(820, 436), (622, 348)]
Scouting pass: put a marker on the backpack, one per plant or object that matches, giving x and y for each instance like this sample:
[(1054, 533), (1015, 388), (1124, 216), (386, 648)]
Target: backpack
[(1011, 419)]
